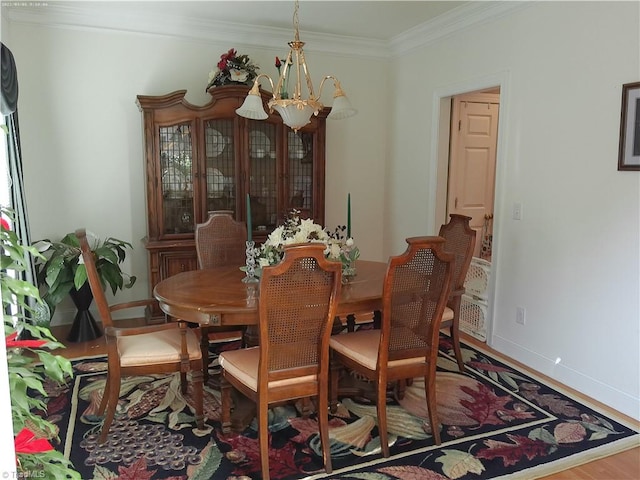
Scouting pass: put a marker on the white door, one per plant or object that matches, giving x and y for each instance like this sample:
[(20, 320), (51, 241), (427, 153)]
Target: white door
[(472, 167)]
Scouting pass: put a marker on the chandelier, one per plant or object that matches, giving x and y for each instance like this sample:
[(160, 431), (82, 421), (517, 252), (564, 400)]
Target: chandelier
[(295, 111)]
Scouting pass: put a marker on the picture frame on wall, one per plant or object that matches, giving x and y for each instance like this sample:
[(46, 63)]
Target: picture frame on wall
[(629, 151)]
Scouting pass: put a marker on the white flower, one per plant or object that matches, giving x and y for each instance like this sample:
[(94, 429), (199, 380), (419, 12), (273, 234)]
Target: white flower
[(333, 250), (275, 237), (350, 242), (239, 75)]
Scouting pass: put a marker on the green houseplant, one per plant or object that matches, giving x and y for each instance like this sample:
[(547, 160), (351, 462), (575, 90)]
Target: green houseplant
[(62, 271), (29, 364)]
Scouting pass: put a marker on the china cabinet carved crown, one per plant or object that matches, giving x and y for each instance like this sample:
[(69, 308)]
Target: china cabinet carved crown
[(205, 158)]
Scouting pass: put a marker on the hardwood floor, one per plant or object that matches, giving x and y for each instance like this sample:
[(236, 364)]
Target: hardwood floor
[(621, 466)]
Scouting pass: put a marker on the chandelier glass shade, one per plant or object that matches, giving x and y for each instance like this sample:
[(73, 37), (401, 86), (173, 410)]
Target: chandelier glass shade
[(295, 110)]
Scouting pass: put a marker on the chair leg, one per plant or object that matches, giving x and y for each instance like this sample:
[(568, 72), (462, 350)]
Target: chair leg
[(323, 427), (113, 394), (105, 396), (204, 348), (455, 337), (430, 394), (225, 400), (334, 377), (382, 417), (263, 436), (401, 387), (183, 382), (306, 407), (198, 395)]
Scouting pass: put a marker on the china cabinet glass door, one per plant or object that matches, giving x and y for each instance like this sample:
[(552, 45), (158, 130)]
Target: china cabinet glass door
[(177, 178), (263, 175), (220, 165), (300, 172)]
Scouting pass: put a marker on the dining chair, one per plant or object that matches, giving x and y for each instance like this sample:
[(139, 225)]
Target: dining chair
[(154, 349), (415, 291), (221, 240), (460, 240), (297, 304)]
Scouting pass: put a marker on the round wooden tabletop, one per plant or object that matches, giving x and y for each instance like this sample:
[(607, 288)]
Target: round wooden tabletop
[(219, 297)]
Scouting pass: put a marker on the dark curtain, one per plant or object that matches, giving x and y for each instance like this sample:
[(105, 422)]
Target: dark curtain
[(9, 109)]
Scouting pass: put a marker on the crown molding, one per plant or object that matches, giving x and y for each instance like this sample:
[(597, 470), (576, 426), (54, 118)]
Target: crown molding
[(89, 16), (456, 20)]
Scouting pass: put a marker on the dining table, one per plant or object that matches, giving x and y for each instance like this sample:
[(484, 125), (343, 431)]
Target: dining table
[(218, 297)]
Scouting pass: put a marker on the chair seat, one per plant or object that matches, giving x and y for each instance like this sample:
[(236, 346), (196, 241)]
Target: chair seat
[(243, 365), (156, 348), (362, 347), (447, 314)]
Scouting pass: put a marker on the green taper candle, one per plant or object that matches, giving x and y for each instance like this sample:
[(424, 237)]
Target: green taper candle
[(249, 226)]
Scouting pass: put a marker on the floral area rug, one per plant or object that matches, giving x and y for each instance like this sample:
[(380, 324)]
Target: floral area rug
[(497, 422)]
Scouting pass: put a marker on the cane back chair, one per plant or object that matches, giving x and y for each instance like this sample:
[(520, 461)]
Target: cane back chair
[(221, 240), (460, 240), (415, 292), (155, 349), (297, 305)]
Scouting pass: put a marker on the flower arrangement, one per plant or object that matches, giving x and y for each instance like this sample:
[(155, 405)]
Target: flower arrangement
[(32, 370), (297, 230), (233, 68)]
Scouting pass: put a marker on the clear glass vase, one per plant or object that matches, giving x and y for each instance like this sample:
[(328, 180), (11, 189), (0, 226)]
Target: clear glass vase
[(348, 271)]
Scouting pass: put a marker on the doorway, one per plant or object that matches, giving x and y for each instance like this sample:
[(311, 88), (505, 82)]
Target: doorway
[(467, 175), (472, 163)]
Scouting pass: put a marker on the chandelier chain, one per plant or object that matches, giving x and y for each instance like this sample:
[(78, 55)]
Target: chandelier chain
[(296, 22)]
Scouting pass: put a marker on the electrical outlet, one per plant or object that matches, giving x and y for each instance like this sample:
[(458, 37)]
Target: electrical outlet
[(517, 211), (520, 315)]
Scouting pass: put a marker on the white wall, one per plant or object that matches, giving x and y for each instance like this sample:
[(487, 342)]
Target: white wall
[(573, 259)]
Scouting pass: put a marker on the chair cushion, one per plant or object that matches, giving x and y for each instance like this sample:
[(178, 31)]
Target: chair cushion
[(447, 314), (362, 347), (243, 365), (163, 346)]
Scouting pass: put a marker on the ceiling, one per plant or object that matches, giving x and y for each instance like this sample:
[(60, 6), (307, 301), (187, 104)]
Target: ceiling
[(360, 27), (379, 20), (382, 20)]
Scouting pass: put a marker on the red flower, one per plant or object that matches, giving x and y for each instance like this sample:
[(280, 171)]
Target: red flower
[(5, 224), (26, 442), (278, 64), (12, 342), (225, 57)]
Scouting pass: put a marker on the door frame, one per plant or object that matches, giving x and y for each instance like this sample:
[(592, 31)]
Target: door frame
[(439, 163)]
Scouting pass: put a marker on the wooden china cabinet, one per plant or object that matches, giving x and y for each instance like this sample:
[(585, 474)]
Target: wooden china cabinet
[(204, 158)]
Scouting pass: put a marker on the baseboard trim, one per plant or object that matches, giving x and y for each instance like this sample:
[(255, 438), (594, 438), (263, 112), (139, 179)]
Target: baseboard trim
[(621, 401)]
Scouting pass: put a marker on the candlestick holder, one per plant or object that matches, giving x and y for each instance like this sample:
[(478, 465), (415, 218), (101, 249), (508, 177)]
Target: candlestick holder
[(250, 272)]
